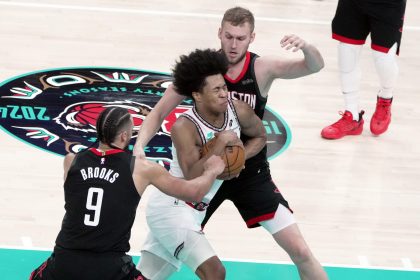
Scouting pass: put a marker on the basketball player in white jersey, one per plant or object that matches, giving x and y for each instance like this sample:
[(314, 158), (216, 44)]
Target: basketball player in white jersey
[(254, 193), (175, 226)]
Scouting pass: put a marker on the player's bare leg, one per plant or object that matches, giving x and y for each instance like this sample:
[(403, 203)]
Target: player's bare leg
[(291, 240), (211, 269)]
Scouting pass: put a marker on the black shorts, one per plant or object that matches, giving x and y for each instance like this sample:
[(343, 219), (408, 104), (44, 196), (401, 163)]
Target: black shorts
[(383, 19), (71, 264), (256, 197)]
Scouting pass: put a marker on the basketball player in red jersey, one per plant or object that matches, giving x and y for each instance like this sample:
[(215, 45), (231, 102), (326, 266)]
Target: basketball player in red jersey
[(249, 78), (353, 21)]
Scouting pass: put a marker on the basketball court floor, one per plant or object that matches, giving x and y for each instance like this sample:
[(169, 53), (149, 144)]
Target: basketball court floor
[(356, 199)]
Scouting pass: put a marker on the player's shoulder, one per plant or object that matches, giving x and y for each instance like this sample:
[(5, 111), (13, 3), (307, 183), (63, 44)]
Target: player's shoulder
[(144, 166), (68, 159), (265, 60), (68, 162), (142, 162), (184, 122)]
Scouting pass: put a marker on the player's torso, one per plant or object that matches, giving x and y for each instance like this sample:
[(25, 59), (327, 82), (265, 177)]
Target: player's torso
[(245, 88), (179, 213), (206, 132), (101, 202)]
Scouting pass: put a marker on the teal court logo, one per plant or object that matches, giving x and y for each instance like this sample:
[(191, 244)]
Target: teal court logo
[(56, 110)]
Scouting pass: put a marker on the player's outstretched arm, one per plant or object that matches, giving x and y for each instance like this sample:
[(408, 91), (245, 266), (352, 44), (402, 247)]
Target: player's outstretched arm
[(68, 159), (269, 68), (147, 172), (155, 118)]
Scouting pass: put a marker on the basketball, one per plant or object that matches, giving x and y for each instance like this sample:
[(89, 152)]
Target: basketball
[(233, 156)]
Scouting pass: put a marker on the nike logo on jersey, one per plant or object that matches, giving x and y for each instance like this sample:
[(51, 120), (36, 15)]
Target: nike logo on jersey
[(247, 81)]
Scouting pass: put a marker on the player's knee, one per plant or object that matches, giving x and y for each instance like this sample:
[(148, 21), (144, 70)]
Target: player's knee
[(219, 272), (211, 269), (348, 62), (154, 267), (301, 254)]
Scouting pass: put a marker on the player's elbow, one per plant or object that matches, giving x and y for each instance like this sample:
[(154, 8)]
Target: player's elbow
[(318, 66), (321, 65), (262, 137)]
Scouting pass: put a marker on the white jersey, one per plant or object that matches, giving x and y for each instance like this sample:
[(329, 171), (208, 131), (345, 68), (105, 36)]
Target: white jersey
[(177, 212)]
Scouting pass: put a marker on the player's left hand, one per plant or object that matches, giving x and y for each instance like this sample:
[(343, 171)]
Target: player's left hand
[(292, 41)]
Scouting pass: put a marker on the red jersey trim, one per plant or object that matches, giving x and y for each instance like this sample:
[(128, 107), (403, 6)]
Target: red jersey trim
[(246, 65), (252, 222), (109, 152), (347, 40), (379, 48)]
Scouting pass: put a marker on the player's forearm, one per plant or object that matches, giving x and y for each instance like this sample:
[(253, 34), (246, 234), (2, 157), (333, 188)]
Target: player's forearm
[(254, 145), (195, 170), (203, 184), (148, 129), (155, 118), (313, 58)]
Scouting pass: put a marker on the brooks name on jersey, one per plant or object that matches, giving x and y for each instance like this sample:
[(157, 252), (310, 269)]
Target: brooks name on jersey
[(101, 173)]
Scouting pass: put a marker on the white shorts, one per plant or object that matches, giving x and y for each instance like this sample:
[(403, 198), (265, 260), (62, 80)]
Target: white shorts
[(175, 232), (178, 245), (282, 219)]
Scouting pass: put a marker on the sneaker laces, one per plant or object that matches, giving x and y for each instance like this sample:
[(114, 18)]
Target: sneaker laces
[(344, 119), (383, 108)]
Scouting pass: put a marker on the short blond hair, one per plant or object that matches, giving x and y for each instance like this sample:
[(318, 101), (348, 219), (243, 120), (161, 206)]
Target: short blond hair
[(238, 15)]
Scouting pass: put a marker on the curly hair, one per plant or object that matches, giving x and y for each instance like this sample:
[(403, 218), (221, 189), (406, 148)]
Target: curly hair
[(191, 71), (110, 123)]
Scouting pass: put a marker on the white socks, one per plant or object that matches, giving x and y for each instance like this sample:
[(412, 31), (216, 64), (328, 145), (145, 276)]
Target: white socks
[(387, 69), (350, 76), (351, 103), (350, 73)]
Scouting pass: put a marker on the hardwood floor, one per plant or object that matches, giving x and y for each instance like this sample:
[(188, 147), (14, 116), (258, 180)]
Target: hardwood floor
[(356, 199)]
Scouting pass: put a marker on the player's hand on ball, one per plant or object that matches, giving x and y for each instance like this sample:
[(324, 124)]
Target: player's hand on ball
[(228, 137)]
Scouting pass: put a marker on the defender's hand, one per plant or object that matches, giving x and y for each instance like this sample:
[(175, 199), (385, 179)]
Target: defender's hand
[(292, 41), (214, 164)]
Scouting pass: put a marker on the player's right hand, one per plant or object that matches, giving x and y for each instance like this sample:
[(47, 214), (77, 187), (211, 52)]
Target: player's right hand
[(292, 41), (229, 137)]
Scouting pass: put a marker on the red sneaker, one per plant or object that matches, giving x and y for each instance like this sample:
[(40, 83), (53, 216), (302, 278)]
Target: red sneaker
[(344, 126), (382, 117)]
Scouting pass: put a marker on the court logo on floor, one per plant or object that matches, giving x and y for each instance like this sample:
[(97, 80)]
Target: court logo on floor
[(56, 110)]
